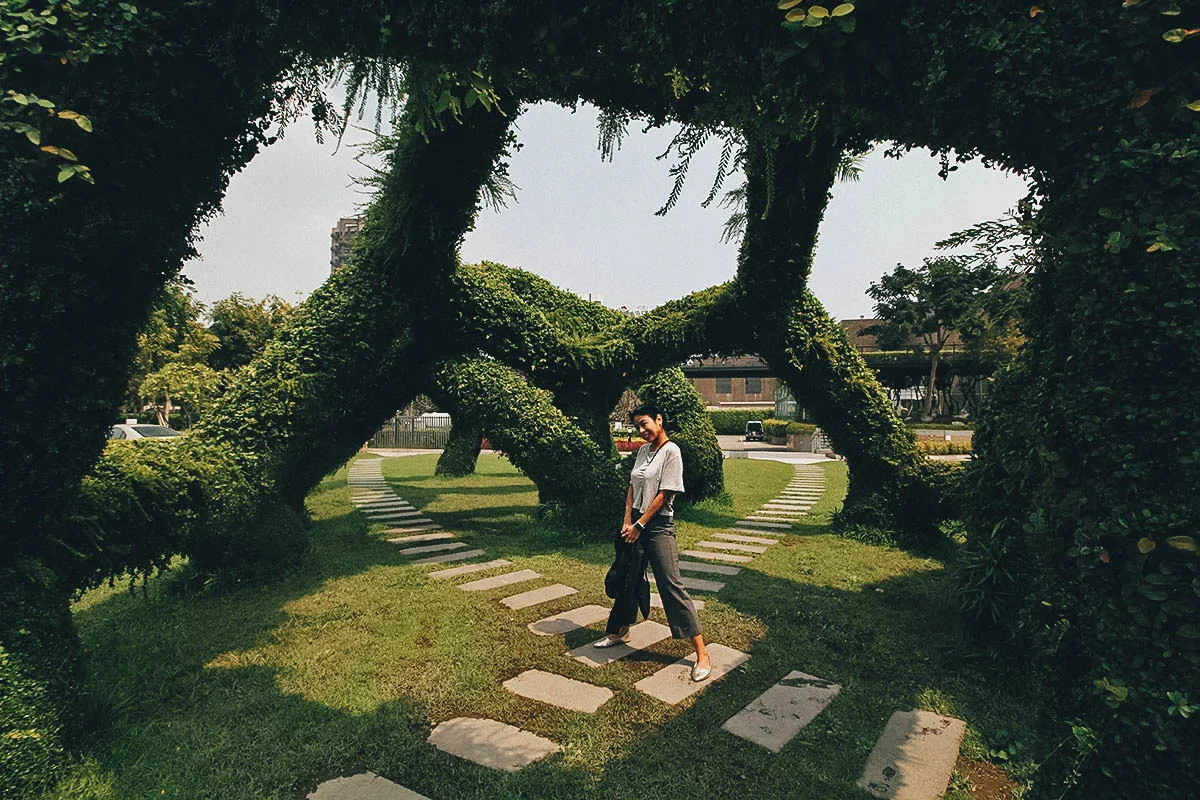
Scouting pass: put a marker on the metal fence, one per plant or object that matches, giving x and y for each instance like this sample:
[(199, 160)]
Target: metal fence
[(411, 433)]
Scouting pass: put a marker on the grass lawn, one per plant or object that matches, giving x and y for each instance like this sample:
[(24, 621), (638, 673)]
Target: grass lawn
[(347, 664)]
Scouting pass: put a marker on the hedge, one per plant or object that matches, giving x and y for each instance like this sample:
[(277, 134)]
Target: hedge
[(937, 447), (782, 428), (732, 422), (688, 426)]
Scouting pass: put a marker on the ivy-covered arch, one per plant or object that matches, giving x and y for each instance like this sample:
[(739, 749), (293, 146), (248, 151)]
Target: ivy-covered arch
[(1092, 101)]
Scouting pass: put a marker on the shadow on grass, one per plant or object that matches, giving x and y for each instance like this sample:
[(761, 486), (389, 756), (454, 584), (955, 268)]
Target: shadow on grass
[(185, 717)]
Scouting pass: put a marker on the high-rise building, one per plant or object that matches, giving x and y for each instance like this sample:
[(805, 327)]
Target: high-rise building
[(342, 240)]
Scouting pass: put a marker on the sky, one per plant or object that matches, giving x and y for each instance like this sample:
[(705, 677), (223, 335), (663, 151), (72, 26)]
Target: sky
[(587, 225)]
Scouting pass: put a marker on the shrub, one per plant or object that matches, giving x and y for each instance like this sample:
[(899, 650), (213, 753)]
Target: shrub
[(690, 428), (148, 500), (781, 428), (935, 447), (39, 663), (732, 422)]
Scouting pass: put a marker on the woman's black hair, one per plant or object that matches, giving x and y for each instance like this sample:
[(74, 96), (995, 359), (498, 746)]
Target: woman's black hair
[(646, 409)]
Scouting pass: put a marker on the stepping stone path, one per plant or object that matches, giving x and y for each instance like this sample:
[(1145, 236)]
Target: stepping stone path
[(674, 683), (775, 717), (912, 760), (794, 502), (491, 743), (496, 581), (914, 757), (363, 786), (535, 596), (641, 636), (469, 568), (460, 556), (374, 497), (717, 556), (569, 620), (558, 691)]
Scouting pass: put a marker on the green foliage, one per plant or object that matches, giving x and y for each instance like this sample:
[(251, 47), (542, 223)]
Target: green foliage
[(689, 426), (577, 481), (243, 326), (39, 661), (782, 428), (732, 422), (461, 453), (1094, 102), (943, 295), (148, 500), (936, 447)]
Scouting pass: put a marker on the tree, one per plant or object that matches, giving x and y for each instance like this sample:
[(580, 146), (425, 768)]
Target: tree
[(169, 366), (243, 326), (942, 296)]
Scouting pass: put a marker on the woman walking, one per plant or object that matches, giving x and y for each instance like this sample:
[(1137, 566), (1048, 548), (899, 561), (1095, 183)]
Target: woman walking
[(649, 517)]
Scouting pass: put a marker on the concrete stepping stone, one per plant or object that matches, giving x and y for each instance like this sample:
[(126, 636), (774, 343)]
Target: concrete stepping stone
[(699, 584), (363, 786), (496, 581), (656, 602), (758, 523), (641, 636), (745, 548), (421, 537), (535, 596), (433, 548), (377, 504), (674, 683), (411, 525), (555, 690), (728, 557), (714, 569), (733, 537), (491, 743), (785, 503), (774, 516), (775, 717), (815, 494), (914, 756), (454, 572), (463, 556), (404, 515), (571, 620)]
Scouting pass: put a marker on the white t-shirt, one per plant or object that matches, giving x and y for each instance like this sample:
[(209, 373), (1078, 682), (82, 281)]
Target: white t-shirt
[(655, 471)]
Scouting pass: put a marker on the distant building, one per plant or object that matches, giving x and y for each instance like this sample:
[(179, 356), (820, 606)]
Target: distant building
[(733, 382), (342, 240)]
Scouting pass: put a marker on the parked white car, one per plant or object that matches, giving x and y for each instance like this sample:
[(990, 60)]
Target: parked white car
[(138, 431)]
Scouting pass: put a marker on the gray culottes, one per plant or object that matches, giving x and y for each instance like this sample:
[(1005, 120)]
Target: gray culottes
[(658, 542)]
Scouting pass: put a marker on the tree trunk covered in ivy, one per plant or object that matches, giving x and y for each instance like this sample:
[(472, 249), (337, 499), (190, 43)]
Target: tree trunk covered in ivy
[(354, 349), (461, 453), (689, 427), (575, 478), (892, 486), (80, 268), (1084, 489)]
